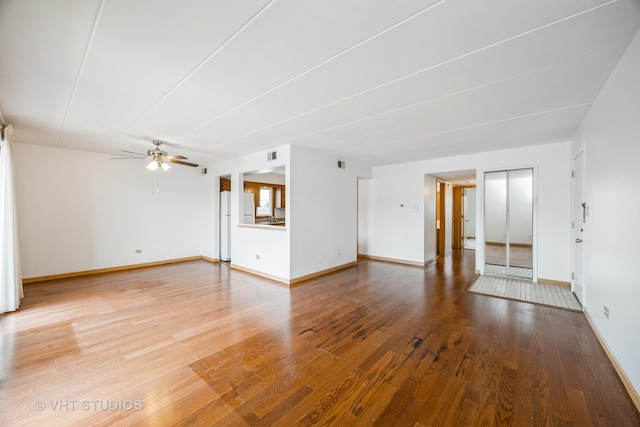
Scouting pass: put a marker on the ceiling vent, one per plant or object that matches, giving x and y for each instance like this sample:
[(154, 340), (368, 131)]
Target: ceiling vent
[(272, 155), (342, 164)]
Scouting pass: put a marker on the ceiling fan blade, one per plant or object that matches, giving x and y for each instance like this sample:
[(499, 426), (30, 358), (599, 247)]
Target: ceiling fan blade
[(180, 162), (127, 158), (131, 152), (177, 157)]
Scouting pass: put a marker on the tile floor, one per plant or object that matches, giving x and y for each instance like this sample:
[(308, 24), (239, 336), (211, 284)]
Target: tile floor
[(500, 270), (526, 290)]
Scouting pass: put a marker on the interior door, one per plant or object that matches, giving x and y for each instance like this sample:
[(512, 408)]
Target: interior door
[(578, 224)]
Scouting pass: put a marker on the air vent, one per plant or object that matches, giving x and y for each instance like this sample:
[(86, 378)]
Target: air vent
[(272, 155), (342, 164)]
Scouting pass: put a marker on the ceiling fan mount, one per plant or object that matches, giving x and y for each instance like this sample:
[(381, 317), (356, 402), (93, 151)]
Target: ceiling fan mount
[(156, 151), (159, 158)]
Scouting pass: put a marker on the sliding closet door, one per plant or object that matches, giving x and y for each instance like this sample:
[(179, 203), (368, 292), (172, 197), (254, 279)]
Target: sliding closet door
[(509, 223), (520, 228), (495, 224)]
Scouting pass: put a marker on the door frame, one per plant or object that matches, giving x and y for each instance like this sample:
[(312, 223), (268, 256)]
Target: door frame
[(441, 238), (458, 217), (577, 159)]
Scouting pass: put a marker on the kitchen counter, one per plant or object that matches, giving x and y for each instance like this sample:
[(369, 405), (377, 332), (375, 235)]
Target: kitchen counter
[(275, 221), (265, 226)]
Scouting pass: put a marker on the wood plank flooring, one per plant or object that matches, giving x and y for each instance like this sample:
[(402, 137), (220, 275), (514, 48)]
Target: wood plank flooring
[(375, 344)]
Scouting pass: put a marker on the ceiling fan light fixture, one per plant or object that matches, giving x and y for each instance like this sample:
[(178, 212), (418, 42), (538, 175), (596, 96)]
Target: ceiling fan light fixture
[(158, 158)]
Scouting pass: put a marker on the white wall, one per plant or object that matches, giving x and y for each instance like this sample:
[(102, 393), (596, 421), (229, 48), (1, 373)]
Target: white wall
[(399, 198), (267, 178), (321, 211), (400, 231), (365, 216), (270, 243), (324, 211), (610, 136), (430, 233), (82, 211), (470, 212)]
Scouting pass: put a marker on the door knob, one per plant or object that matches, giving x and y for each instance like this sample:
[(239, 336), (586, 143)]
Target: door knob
[(578, 240)]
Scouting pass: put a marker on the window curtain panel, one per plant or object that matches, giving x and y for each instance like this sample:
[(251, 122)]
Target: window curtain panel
[(10, 273)]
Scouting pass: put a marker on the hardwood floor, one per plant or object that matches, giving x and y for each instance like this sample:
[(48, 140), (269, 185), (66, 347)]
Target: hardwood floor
[(198, 344)]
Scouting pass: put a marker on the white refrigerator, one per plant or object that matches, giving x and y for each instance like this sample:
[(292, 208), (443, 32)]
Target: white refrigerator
[(225, 226), (248, 209)]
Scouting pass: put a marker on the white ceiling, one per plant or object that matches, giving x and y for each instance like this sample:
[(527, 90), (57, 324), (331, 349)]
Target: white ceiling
[(376, 80)]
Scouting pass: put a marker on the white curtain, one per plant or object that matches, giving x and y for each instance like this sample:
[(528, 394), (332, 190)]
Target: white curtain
[(10, 273)]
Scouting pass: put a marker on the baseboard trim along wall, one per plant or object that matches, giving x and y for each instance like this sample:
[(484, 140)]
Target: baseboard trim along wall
[(176, 260), (322, 272), (555, 282), (114, 269), (260, 274), (394, 260), (633, 393), (290, 282)]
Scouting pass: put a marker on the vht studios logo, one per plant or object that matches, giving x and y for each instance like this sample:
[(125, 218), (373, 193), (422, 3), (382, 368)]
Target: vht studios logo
[(89, 405)]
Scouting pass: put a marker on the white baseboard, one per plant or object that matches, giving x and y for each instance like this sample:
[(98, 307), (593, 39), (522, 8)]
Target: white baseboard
[(633, 393), (394, 260), (27, 280)]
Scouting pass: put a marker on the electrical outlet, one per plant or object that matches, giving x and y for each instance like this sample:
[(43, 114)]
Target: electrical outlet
[(138, 251), (257, 256), (605, 309)]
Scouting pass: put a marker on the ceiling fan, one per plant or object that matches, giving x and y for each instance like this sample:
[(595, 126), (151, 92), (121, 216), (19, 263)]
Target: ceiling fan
[(159, 158)]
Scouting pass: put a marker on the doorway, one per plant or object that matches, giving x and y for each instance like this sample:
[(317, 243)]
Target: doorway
[(441, 191), (508, 229), (464, 217)]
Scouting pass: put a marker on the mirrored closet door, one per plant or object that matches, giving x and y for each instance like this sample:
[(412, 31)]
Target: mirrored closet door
[(508, 231)]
